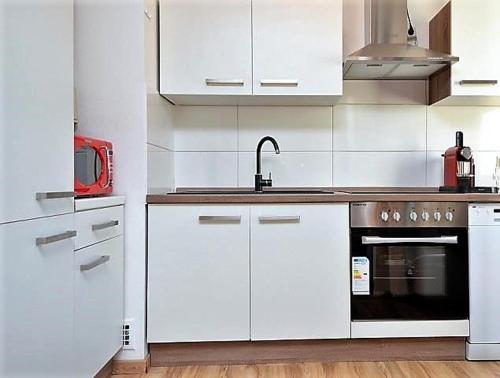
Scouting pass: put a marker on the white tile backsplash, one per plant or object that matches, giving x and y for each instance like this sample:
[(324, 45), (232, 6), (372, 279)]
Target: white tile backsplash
[(480, 124), (379, 128), (347, 145), (288, 168), (161, 172), (296, 128), (206, 169), (379, 168), (206, 128)]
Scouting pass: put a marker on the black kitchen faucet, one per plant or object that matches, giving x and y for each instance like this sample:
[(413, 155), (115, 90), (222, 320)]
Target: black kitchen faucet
[(259, 181)]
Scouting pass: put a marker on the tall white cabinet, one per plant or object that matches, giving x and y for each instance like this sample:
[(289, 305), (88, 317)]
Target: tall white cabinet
[(36, 130), (251, 51)]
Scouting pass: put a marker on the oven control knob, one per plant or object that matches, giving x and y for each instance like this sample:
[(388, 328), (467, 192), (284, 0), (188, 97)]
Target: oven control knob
[(425, 216), (396, 216), (437, 216), (384, 216), (413, 216), (449, 216)]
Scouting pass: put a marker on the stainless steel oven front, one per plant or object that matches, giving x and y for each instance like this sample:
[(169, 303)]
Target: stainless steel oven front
[(409, 261)]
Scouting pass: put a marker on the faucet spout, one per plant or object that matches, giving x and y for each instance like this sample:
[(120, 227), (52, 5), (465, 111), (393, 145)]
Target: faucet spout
[(259, 182)]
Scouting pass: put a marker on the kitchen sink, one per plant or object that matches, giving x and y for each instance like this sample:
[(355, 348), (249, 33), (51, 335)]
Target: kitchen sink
[(244, 191)]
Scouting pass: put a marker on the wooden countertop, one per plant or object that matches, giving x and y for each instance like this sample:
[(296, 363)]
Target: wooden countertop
[(316, 195)]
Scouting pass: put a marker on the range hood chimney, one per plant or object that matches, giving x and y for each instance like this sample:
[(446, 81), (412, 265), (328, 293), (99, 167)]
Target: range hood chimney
[(389, 56)]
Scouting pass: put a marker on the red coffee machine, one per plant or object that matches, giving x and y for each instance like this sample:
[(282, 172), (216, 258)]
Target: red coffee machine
[(459, 168)]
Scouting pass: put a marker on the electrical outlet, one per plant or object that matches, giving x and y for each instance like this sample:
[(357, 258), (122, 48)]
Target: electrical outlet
[(128, 334)]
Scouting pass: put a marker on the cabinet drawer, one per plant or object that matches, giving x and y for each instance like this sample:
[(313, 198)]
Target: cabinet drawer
[(98, 275), (97, 225)]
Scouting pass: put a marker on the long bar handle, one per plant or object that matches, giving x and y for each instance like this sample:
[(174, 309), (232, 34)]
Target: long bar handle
[(279, 83), (102, 226), (54, 238), (219, 218), (224, 82), (478, 82), (367, 240), (101, 260), (53, 195), (279, 218)]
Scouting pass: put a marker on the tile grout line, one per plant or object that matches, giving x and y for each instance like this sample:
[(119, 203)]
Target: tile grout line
[(237, 145)]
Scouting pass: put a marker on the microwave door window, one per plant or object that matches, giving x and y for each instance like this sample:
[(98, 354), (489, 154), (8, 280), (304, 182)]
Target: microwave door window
[(87, 165)]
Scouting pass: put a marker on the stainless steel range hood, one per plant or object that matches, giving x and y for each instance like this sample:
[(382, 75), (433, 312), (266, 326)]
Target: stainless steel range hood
[(388, 54)]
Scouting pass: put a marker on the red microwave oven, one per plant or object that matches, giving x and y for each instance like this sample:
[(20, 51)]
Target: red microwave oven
[(93, 167)]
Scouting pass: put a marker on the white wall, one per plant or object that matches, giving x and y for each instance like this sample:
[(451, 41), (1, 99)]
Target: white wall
[(111, 99), (160, 138), (345, 145)]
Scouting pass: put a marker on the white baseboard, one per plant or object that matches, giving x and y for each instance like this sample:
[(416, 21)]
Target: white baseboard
[(410, 328)]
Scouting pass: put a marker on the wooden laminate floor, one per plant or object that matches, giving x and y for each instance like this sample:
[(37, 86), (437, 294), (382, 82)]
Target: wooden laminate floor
[(413, 369)]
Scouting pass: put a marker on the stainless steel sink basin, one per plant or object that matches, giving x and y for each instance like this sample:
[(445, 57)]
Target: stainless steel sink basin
[(244, 191)]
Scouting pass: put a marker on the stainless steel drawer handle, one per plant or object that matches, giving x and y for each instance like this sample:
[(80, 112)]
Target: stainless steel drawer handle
[(101, 260), (224, 82), (478, 82), (55, 238), (279, 83), (219, 218), (53, 195), (367, 240), (102, 226), (279, 218)]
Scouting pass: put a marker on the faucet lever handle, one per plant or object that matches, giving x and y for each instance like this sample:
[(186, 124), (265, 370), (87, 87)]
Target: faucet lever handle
[(270, 178)]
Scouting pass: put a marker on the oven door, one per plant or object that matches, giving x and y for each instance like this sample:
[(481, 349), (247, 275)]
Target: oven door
[(409, 274)]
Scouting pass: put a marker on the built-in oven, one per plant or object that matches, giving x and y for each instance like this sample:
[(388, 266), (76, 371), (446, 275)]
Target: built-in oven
[(409, 261)]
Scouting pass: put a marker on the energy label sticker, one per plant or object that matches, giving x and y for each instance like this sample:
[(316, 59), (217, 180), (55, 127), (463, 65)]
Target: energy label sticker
[(360, 276)]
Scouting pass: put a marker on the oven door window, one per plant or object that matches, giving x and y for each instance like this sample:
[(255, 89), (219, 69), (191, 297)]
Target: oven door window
[(413, 280), (409, 271)]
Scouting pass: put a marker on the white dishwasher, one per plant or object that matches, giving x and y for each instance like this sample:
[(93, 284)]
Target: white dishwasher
[(484, 282)]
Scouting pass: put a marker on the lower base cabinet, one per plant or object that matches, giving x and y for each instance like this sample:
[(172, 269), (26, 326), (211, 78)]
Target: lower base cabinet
[(270, 272), (198, 269), (300, 272), (36, 298), (98, 275)]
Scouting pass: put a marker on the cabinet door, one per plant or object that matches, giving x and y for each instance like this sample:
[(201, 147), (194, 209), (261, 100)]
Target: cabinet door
[(300, 272), (205, 47), (198, 282), (474, 39), (297, 47), (36, 298), (98, 304), (36, 119)]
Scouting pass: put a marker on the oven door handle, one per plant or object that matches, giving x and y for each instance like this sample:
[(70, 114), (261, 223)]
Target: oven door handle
[(432, 240)]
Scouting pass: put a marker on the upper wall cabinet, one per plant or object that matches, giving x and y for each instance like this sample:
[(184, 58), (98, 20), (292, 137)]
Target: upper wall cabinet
[(251, 51), (470, 32), (206, 47), (297, 47)]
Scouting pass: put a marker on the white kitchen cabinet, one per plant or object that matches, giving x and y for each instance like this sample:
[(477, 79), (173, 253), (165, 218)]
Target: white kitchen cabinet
[(300, 272), (206, 47), (36, 298), (472, 30), (98, 272), (198, 273), (297, 47), (36, 122), (251, 52), (98, 275)]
